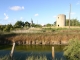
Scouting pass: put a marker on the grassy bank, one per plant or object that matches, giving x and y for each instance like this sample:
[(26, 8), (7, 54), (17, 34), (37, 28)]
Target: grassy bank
[(49, 36)]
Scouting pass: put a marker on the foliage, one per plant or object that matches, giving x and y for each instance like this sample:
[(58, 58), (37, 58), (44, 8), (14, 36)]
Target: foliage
[(38, 25), (8, 28), (19, 24), (48, 30), (48, 25), (27, 24), (54, 23), (72, 51), (73, 22), (33, 25), (2, 27)]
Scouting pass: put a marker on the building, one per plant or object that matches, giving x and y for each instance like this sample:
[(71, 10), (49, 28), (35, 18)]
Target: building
[(61, 20)]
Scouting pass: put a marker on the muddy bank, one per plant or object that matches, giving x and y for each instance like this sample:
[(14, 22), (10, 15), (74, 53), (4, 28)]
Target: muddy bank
[(38, 38)]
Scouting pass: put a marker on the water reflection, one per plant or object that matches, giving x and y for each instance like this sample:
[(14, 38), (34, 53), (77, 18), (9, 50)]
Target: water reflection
[(24, 51)]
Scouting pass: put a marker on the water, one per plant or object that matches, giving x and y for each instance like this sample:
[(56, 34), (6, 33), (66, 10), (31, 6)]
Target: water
[(24, 51)]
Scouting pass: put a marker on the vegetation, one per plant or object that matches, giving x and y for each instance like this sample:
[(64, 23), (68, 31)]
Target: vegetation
[(28, 58), (72, 51), (17, 25), (5, 58), (36, 58), (73, 22), (22, 25)]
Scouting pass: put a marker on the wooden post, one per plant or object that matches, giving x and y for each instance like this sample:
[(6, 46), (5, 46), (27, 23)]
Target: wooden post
[(53, 53), (11, 54)]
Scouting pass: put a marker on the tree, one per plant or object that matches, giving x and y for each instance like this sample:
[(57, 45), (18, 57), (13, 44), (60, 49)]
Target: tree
[(73, 22), (38, 25), (19, 24), (27, 24), (55, 23), (72, 51), (2, 27), (8, 28), (48, 25)]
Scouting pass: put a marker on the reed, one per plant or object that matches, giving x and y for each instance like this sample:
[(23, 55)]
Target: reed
[(61, 35), (6, 57), (37, 58)]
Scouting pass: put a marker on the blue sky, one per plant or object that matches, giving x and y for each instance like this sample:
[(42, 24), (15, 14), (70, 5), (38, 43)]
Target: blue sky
[(41, 11)]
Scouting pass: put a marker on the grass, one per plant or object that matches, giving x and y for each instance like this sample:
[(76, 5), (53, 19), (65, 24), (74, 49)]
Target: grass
[(29, 58), (5, 58), (37, 58), (48, 34)]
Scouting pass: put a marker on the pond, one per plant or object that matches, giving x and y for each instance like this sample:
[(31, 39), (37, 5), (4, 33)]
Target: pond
[(22, 52)]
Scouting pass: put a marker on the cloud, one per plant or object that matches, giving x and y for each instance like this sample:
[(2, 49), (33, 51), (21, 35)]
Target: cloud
[(36, 15), (16, 8), (73, 13), (78, 3), (54, 16), (6, 16), (21, 18)]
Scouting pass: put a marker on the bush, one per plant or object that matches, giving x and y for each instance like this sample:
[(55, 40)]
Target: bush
[(72, 51)]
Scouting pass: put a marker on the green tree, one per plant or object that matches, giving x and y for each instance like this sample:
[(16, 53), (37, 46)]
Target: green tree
[(73, 22), (33, 25), (8, 28), (48, 25), (27, 24), (19, 24), (72, 51), (2, 27), (54, 23), (38, 25)]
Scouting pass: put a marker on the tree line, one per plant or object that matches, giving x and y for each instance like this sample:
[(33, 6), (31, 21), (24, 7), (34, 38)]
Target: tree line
[(18, 24), (73, 22), (21, 24)]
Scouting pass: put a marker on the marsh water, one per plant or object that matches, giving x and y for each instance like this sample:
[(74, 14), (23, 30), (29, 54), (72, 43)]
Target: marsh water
[(22, 52)]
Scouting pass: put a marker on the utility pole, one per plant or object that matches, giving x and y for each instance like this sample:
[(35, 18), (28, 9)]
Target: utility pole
[(69, 16), (37, 21)]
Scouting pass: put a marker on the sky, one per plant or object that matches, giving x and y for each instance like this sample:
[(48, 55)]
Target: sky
[(40, 11)]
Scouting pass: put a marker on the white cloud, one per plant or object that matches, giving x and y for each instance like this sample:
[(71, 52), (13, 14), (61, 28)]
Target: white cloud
[(54, 16), (78, 3), (16, 8), (36, 15), (21, 18), (6, 16), (73, 13)]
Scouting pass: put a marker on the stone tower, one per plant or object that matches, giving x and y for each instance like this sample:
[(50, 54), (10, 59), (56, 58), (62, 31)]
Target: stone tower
[(61, 20)]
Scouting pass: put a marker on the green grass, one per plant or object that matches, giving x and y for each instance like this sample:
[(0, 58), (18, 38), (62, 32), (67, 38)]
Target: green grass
[(37, 58), (6, 57)]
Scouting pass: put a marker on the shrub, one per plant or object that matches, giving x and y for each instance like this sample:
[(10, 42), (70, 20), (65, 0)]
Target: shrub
[(72, 51)]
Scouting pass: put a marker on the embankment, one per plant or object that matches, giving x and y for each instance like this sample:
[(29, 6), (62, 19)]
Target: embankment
[(50, 38)]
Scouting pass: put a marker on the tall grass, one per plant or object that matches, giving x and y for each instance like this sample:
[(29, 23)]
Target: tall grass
[(5, 58), (37, 58)]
